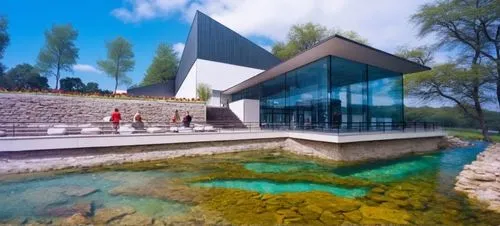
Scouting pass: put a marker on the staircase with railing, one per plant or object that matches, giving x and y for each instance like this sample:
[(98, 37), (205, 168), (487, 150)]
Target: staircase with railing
[(223, 116)]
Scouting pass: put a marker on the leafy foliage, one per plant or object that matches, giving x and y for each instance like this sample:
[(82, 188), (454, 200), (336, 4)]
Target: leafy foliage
[(423, 55), (164, 66), (472, 27), (120, 61), (23, 76), (304, 36), (452, 117), (76, 85), (72, 84), (92, 87), (59, 53), (204, 92), (4, 40)]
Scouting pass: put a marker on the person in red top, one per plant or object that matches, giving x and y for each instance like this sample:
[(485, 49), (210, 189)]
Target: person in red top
[(115, 119)]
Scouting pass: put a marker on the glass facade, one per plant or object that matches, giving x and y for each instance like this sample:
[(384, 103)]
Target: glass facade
[(330, 93)]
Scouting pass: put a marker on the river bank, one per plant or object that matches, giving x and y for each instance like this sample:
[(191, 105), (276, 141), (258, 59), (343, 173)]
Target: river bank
[(480, 180)]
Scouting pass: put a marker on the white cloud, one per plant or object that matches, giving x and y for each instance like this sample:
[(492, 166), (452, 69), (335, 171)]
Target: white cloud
[(178, 48), (86, 68), (384, 22), (267, 47), (138, 10)]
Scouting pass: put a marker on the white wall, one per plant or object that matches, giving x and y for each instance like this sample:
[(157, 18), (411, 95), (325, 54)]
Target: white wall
[(248, 111), (221, 76), (188, 87)]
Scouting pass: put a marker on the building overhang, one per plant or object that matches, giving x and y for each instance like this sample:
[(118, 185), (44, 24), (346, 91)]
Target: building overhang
[(336, 46)]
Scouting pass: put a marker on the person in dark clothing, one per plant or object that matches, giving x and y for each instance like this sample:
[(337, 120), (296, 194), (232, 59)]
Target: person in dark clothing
[(187, 119)]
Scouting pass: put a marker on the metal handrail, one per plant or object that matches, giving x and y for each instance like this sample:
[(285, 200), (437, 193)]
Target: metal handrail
[(39, 128)]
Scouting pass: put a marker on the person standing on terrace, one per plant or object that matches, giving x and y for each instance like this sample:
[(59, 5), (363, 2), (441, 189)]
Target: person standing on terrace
[(115, 119), (187, 119)]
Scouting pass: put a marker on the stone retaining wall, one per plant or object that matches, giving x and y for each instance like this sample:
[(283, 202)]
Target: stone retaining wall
[(28, 161), (65, 109), (361, 151), (481, 179)]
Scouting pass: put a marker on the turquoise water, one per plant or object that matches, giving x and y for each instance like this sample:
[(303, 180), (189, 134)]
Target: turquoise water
[(448, 163), (268, 187), (264, 167), (177, 187), (35, 197)]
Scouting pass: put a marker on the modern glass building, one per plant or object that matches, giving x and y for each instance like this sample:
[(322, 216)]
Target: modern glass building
[(338, 83), (332, 91)]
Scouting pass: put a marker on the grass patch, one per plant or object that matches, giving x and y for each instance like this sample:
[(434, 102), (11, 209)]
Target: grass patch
[(470, 134)]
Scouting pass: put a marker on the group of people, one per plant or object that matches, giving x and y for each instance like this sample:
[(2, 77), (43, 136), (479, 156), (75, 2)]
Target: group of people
[(137, 122)]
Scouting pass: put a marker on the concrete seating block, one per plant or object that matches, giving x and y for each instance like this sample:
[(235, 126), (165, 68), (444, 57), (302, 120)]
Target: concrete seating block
[(57, 131), (209, 129), (3, 133), (174, 129), (185, 130), (84, 125), (155, 130), (198, 129), (126, 130), (91, 131)]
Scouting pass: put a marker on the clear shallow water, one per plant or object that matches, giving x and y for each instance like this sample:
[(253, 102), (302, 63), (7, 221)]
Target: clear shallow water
[(231, 188), (34, 197), (263, 167), (267, 187)]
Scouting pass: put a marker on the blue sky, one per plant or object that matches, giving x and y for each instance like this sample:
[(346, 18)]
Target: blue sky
[(28, 19), (146, 23)]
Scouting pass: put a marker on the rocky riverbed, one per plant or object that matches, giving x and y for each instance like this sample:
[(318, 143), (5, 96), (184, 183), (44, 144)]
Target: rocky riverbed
[(481, 179)]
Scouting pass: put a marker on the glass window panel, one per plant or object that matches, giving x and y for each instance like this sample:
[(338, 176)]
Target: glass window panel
[(348, 93), (385, 96)]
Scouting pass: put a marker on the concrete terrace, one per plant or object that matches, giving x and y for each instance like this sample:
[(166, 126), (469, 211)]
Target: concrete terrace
[(38, 143)]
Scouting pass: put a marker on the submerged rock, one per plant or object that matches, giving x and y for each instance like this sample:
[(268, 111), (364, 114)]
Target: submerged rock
[(385, 214), (76, 219), (68, 210), (353, 216), (134, 220), (105, 215), (78, 191)]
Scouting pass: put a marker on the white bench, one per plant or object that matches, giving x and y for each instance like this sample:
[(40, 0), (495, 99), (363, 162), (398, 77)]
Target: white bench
[(91, 131), (57, 131), (155, 130)]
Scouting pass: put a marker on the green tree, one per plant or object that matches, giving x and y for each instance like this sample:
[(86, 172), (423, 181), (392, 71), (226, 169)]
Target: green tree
[(4, 40), (164, 66), (304, 36), (72, 84), (92, 87), (472, 26), (465, 87), (120, 61), (59, 53), (204, 92), (423, 55), (23, 76)]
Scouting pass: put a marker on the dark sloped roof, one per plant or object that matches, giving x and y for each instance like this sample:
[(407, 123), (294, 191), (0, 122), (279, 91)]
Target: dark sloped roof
[(336, 46), (210, 40)]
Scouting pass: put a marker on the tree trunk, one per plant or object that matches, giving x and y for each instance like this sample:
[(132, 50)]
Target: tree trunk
[(498, 82), (116, 83), (57, 78)]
